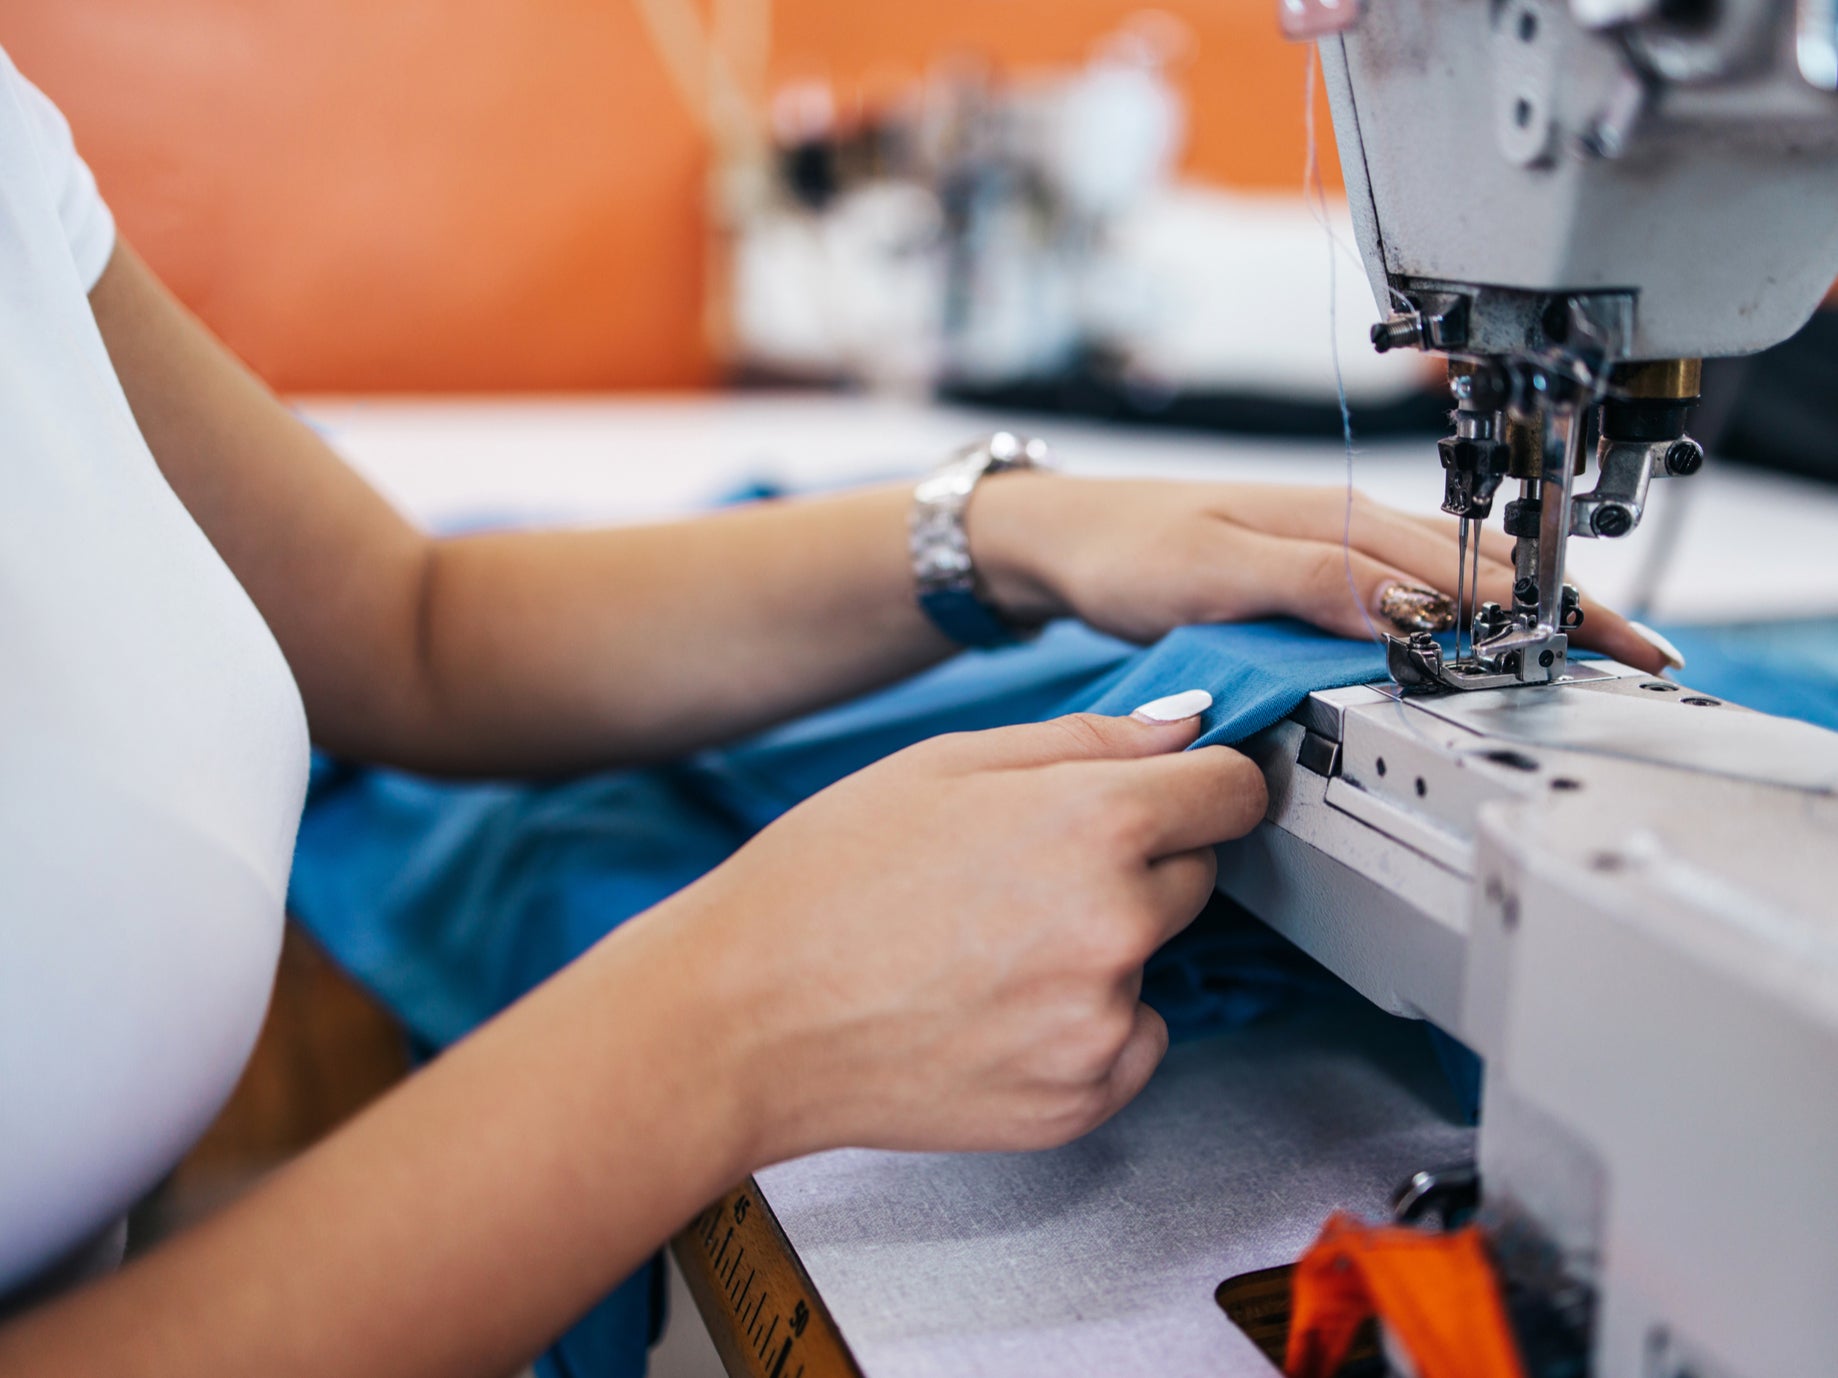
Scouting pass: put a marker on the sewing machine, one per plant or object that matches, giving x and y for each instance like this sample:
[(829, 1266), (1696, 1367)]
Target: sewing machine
[(1620, 893)]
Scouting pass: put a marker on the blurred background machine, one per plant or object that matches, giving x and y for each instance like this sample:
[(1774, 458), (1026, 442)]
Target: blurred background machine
[(1613, 889), (1029, 238), (1026, 240)]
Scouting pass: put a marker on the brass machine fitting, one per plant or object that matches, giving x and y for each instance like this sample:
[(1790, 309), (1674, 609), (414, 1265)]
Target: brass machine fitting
[(1651, 401), (1658, 380)]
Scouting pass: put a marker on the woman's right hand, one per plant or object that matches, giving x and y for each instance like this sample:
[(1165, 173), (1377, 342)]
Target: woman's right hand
[(945, 950)]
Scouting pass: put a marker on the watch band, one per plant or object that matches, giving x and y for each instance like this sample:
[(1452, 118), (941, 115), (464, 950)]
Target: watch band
[(944, 575)]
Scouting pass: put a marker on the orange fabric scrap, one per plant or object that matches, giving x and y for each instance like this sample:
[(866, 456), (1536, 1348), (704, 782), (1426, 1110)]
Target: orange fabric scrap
[(1435, 1291)]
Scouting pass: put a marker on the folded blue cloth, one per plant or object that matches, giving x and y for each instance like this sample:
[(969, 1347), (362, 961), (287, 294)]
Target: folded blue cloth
[(450, 901), (1256, 672)]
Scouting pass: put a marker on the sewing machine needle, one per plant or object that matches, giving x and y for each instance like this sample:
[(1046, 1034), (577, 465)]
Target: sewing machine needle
[(1474, 584), (1461, 585)]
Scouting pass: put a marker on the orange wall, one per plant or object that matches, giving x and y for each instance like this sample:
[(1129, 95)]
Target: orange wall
[(1242, 82), (448, 194)]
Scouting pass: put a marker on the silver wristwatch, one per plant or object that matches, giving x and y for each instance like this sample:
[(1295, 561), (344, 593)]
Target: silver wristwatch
[(944, 575)]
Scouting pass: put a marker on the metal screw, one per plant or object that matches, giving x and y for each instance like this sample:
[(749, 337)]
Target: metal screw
[(1526, 592), (1684, 457), (1598, 141), (1611, 519), (1547, 658), (1400, 332)]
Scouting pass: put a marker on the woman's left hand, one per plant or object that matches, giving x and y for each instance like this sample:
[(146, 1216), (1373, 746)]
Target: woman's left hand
[(1139, 557)]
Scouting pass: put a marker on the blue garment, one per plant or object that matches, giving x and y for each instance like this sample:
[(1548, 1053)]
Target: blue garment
[(1256, 672), (1789, 669), (450, 901)]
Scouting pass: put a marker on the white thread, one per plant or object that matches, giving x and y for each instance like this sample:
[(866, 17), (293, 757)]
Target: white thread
[(1316, 195)]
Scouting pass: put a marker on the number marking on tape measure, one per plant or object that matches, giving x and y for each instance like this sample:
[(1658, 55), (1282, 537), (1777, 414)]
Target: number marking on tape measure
[(761, 1311)]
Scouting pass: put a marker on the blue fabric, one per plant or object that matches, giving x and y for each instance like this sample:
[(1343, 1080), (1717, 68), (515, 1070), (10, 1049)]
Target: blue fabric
[(1789, 669), (612, 1340), (450, 901), (1256, 672)]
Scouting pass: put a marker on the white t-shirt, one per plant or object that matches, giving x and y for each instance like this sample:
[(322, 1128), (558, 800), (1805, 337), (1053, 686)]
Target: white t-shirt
[(152, 752)]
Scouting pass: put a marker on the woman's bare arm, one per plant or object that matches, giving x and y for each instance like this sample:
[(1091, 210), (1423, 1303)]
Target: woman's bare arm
[(456, 1225), (519, 652)]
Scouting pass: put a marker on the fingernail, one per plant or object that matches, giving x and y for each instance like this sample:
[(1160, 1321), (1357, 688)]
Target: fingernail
[(1659, 643), (1189, 703), (1417, 609)]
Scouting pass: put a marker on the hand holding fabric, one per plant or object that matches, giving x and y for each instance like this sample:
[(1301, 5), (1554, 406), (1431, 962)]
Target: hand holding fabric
[(1139, 557), (945, 950)]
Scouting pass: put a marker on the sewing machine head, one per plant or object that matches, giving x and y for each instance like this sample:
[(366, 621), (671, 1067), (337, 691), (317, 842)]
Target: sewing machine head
[(1576, 201)]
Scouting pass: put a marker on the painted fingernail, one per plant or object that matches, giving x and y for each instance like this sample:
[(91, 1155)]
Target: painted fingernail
[(1659, 643), (1189, 703), (1417, 609)]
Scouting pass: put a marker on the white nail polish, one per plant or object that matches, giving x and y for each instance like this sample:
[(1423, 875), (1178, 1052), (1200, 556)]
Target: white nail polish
[(1189, 703), (1659, 643)]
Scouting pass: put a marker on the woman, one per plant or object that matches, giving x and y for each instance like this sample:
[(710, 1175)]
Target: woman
[(190, 582)]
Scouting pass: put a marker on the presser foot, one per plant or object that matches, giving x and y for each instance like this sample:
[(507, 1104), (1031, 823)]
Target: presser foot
[(1517, 656)]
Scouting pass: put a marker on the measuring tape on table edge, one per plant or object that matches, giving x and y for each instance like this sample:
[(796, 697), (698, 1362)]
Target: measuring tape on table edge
[(764, 1316)]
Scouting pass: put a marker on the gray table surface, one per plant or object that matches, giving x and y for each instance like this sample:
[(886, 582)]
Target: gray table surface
[(1102, 1257)]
